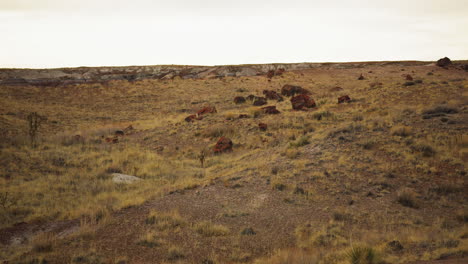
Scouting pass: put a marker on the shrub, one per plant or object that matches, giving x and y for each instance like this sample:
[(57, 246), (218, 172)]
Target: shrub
[(209, 229), (363, 255), (407, 199), (402, 131), (302, 141)]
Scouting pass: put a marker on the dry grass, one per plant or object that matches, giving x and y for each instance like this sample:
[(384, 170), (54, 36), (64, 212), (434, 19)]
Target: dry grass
[(345, 160)]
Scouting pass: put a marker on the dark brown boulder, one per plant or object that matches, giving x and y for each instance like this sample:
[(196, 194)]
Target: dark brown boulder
[(361, 77), (301, 101), (270, 74), (272, 95), (224, 144), (207, 110), (251, 97), (408, 77), (344, 99), (239, 100), (258, 101), (291, 90), (444, 62), (262, 126), (119, 133), (271, 110), (243, 116)]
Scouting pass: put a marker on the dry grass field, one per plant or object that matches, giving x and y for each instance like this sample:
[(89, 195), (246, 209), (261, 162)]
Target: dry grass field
[(381, 179)]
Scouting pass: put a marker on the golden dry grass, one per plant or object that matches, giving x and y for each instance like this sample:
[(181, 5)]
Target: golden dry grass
[(398, 168)]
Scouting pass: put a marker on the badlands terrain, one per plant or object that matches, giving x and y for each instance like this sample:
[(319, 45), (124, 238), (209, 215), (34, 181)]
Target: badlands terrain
[(235, 164)]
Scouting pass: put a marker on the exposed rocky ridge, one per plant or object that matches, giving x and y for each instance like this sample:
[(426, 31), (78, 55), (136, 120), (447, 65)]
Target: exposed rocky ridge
[(65, 76)]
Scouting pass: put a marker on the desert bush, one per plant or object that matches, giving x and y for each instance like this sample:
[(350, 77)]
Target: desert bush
[(300, 142), (363, 255), (323, 115), (402, 131), (209, 229), (219, 131), (164, 221), (407, 199), (175, 253), (425, 150)]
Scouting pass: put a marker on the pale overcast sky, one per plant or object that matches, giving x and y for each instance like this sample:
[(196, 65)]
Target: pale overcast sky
[(68, 33)]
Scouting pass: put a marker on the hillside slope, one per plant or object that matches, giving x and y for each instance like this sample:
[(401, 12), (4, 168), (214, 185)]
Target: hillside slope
[(384, 172)]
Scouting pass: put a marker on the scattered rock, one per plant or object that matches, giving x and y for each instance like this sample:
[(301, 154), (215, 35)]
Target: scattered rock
[(248, 232), (258, 101), (262, 126), (272, 95), (191, 118), (408, 77), (409, 83), (124, 178), (239, 100), (344, 99), (251, 97), (302, 101), (444, 62), (119, 133), (361, 77), (291, 90), (395, 245), (271, 110), (243, 116), (207, 110), (224, 144), (270, 74)]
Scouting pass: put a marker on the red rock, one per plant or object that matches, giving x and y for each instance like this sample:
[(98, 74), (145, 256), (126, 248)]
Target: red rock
[(344, 99), (207, 110), (115, 140), (108, 140), (301, 101), (272, 95), (258, 101), (270, 74), (291, 90), (191, 118), (271, 110), (262, 126), (444, 62), (361, 77), (239, 100), (224, 144), (408, 77)]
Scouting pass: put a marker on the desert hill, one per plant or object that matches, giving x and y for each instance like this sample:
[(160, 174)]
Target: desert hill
[(274, 163)]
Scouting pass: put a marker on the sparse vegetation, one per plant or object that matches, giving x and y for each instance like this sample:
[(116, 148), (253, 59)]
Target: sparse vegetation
[(307, 184)]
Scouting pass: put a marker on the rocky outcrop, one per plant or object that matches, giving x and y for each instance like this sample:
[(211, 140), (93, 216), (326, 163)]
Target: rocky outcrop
[(223, 145), (270, 110), (344, 99), (299, 102), (272, 95), (291, 90), (444, 62)]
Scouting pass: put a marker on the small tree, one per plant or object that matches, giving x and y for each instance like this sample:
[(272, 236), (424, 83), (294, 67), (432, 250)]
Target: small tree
[(201, 157), (34, 122)]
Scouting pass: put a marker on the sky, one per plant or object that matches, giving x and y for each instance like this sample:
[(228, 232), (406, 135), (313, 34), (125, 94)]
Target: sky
[(72, 33)]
